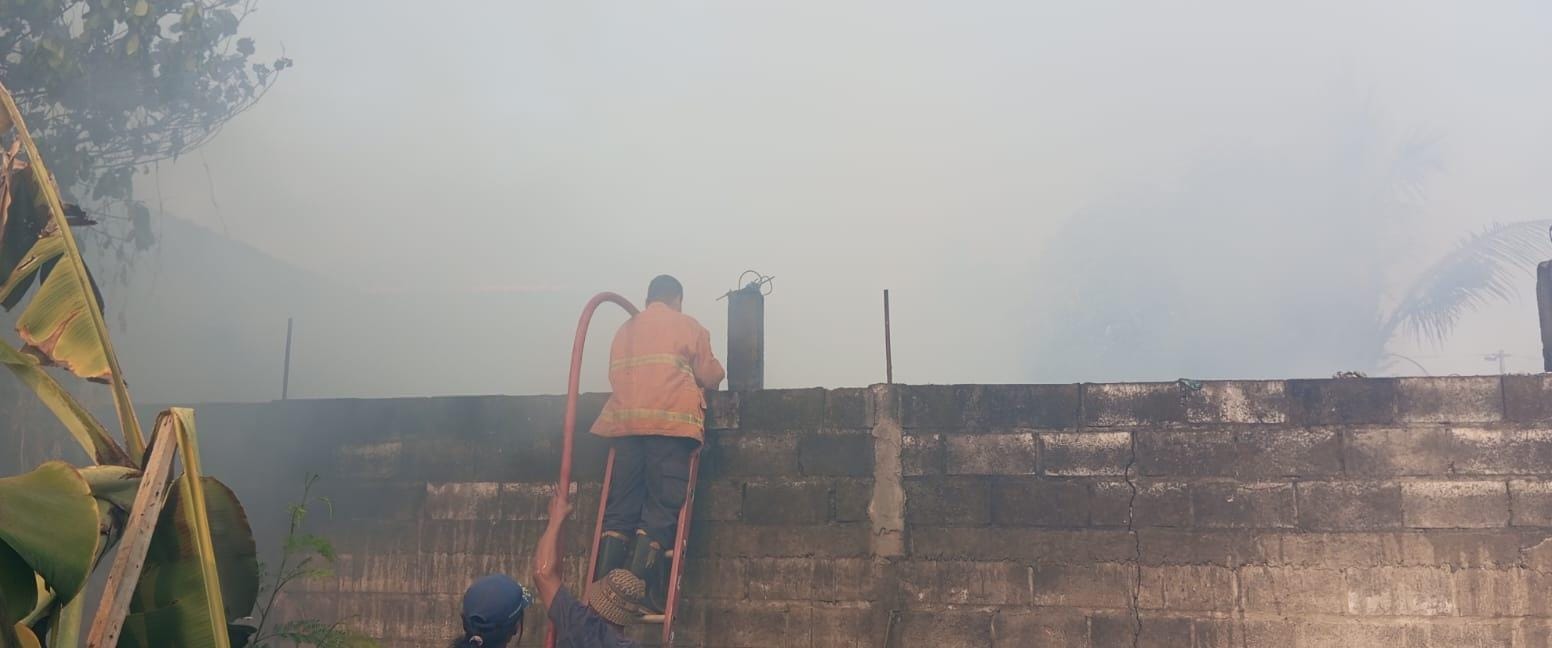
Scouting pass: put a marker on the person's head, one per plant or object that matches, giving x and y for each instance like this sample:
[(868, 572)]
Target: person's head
[(613, 598), (666, 290), (493, 613)]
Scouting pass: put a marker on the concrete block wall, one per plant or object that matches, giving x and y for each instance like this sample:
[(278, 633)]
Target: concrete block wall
[(1303, 513)]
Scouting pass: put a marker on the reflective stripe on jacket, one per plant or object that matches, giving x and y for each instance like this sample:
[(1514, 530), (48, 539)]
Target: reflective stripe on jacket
[(659, 366)]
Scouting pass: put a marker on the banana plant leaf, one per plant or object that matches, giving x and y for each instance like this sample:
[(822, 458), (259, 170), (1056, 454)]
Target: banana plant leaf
[(20, 636), (169, 607), (116, 485), (63, 324), (58, 324), (49, 519), (83, 427), (18, 587)]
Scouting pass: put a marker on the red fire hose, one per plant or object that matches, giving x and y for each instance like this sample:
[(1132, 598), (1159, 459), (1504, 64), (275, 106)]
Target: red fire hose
[(573, 386)]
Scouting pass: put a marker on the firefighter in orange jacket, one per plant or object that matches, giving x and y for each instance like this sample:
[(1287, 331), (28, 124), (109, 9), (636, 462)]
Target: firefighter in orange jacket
[(659, 368)]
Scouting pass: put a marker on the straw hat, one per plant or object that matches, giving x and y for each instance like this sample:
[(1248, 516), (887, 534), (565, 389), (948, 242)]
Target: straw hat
[(615, 596)]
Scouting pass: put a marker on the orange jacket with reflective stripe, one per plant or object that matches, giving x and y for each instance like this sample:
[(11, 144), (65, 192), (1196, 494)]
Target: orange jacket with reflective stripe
[(659, 366)]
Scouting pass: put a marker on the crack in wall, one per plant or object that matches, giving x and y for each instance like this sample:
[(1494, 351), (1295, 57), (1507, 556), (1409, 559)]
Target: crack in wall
[(1131, 515)]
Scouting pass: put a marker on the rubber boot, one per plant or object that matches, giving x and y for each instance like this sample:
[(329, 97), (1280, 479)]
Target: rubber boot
[(614, 552), (650, 565)]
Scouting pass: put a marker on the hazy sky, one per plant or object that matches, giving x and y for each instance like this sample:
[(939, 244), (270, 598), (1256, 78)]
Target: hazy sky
[(845, 147)]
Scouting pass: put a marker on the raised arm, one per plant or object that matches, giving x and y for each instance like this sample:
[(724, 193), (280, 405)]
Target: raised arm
[(708, 372), (546, 564)]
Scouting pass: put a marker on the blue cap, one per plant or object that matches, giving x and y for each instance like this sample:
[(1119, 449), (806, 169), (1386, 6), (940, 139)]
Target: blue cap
[(493, 607)]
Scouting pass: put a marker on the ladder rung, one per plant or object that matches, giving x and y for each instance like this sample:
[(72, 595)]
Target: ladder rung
[(668, 553), (652, 618)]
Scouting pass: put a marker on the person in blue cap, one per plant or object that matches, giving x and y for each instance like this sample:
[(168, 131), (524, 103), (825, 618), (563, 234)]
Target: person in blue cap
[(493, 613)]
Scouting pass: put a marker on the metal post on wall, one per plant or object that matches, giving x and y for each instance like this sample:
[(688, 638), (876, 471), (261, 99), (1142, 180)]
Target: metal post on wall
[(285, 377), (1544, 306), (889, 352), (746, 332)]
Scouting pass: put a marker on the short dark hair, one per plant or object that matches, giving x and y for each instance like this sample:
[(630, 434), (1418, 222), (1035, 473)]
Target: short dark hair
[(663, 289)]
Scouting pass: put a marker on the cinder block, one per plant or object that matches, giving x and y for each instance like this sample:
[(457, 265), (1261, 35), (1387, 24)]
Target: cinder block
[(1029, 406), (1342, 401), (721, 501), (1225, 548), (1495, 592), (1477, 548), (937, 406), (1452, 399), (1187, 453), (945, 627), (847, 409), (786, 503), (1493, 451), (1349, 506), (369, 461), (747, 454), (809, 579), (1400, 591), (721, 410), (1151, 631), (753, 623), (781, 409), (991, 454), (1041, 627), (852, 498), (463, 501), (1244, 505), (953, 501), (841, 625), (1493, 633), (1035, 502), (848, 454), (735, 540), (1123, 404), (377, 501), (921, 454), (1021, 544), (1237, 401), (1528, 399), (1531, 503), (967, 582), (1287, 591), (517, 501), (1097, 585), (1146, 503), (1085, 454), (1285, 452), (1187, 588), (1395, 451), (1455, 505), (715, 578)]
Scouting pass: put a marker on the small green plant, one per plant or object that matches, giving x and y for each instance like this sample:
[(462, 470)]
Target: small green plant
[(304, 556)]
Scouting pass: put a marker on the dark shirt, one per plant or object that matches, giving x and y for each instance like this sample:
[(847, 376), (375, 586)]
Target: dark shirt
[(578, 627)]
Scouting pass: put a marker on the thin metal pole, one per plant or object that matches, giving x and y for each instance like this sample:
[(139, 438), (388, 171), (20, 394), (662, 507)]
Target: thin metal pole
[(285, 378), (889, 354)]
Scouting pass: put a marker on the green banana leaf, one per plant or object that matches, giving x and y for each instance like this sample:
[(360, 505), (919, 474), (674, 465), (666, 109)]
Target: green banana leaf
[(83, 427), (169, 607), (63, 324), (49, 519), (116, 485), (18, 587), (20, 636), (57, 324)]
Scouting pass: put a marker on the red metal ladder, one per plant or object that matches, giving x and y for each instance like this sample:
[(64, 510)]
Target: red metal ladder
[(681, 534)]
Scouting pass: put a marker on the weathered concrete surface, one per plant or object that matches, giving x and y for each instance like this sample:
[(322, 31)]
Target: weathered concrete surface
[(1308, 513)]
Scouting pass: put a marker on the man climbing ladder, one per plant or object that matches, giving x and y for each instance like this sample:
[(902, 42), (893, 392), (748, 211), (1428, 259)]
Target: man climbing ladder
[(659, 366)]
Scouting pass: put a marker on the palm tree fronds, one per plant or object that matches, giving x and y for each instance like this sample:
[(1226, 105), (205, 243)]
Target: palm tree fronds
[(1478, 271)]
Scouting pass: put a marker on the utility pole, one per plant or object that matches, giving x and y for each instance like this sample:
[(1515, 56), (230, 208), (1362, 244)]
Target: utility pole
[(1500, 356), (285, 377), (889, 352)]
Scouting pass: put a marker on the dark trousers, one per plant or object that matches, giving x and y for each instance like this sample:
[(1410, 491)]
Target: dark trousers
[(651, 479)]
